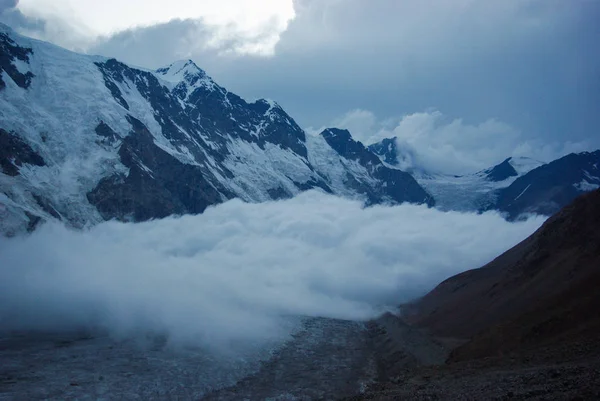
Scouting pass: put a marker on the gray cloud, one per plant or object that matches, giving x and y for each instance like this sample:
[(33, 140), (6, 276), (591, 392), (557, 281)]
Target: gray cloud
[(531, 65), (434, 142), (8, 4), (233, 274)]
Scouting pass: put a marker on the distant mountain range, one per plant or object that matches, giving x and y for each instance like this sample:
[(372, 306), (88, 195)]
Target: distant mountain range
[(515, 187), (85, 139)]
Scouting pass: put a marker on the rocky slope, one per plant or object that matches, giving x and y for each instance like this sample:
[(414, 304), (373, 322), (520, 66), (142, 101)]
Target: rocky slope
[(87, 138), (525, 326), (543, 291)]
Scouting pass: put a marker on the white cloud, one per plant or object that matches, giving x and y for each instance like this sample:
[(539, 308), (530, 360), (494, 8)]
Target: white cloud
[(473, 59), (233, 274), (435, 142), (240, 19), (363, 125)]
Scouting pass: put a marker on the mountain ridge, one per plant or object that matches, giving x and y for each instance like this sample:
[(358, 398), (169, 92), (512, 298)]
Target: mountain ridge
[(516, 187), (120, 142)]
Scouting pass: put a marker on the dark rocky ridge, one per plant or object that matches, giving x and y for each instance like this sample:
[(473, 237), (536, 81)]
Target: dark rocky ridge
[(548, 188)]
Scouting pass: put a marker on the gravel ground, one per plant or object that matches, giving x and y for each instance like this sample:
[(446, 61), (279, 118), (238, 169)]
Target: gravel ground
[(325, 359)]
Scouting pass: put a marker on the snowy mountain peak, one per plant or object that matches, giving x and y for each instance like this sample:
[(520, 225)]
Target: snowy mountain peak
[(179, 71), (185, 73)]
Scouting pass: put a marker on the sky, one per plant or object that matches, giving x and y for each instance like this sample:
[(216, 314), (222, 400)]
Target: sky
[(235, 274), (471, 81)]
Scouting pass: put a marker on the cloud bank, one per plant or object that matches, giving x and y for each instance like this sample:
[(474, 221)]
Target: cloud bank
[(233, 25), (434, 142), (234, 274)]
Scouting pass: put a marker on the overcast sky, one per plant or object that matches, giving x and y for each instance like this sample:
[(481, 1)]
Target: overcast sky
[(477, 79)]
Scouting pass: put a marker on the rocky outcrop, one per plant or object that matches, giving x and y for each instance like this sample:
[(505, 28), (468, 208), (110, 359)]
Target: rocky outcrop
[(157, 184)]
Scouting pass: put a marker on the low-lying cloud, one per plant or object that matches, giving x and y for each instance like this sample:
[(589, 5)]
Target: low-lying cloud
[(237, 272)]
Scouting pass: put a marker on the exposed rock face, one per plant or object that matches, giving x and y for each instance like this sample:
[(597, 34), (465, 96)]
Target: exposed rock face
[(14, 153), (132, 144), (10, 56), (157, 185)]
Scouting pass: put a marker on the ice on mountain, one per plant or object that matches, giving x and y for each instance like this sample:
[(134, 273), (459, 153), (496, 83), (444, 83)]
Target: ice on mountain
[(261, 154)]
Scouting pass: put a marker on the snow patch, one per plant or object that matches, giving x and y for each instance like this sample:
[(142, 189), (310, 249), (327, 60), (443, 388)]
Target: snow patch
[(522, 193)]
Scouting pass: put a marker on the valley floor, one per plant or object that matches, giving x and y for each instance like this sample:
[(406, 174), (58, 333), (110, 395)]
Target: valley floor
[(569, 373), (326, 359)]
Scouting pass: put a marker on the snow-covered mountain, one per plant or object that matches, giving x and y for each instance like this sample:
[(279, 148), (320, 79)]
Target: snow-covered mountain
[(471, 192), (474, 192), (85, 138), (518, 185), (548, 188)]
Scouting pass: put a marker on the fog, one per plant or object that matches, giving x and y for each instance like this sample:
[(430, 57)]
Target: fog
[(237, 273)]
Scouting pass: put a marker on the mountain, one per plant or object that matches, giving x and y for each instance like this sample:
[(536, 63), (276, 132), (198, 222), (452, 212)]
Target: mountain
[(547, 188), (387, 150), (475, 192), (87, 138), (363, 162), (466, 193), (543, 292), (517, 186)]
